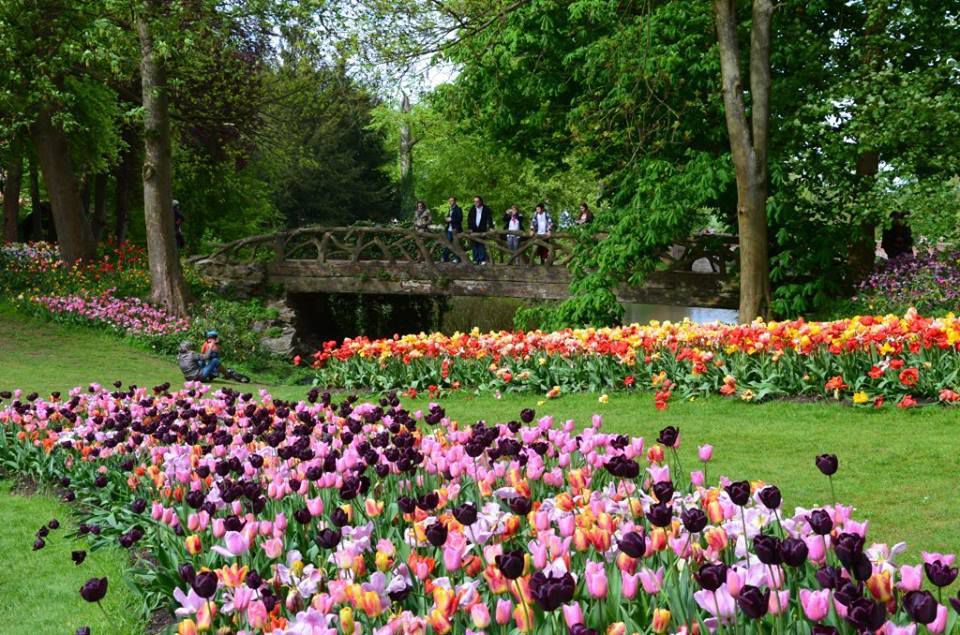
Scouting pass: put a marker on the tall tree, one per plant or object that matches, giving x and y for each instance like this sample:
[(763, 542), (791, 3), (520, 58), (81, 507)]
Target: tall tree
[(167, 285), (53, 151), (749, 144), (407, 191)]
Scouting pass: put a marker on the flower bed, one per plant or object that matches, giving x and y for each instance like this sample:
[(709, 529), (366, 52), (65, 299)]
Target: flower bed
[(129, 316), (876, 358), (318, 517)]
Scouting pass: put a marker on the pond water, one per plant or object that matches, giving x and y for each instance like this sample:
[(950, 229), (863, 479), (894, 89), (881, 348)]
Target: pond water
[(643, 313)]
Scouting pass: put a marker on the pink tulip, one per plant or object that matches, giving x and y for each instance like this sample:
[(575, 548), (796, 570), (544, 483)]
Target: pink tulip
[(452, 558), (273, 547), (938, 625), (480, 615), (719, 604), (815, 548), (892, 629), (816, 604), (911, 577), (629, 583), (567, 525), (315, 506), (236, 544), (596, 577), (257, 614), (504, 609), (218, 528), (779, 602), (697, 478), (736, 578), (572, 614), (652, 581), (705, 452)]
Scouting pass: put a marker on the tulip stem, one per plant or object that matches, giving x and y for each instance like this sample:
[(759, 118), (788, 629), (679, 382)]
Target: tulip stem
[(746, 545), (676, 457), (523, 601), (833, 492)]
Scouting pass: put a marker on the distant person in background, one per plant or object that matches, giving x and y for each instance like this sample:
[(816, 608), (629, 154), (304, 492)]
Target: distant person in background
[(479, 220), (513, 223), (586, 216), (421, 217), (178, 224), (897, 240), (541, 226), (454, 227)]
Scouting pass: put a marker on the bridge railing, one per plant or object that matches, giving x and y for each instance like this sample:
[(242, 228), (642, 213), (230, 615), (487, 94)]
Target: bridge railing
[(712, 253)]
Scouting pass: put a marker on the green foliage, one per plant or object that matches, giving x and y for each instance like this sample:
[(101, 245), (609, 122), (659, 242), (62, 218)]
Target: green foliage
[(454, 159), (322, 160)]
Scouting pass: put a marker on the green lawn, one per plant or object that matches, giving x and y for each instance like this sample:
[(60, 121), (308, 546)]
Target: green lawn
[(41, 589), (898, 468)]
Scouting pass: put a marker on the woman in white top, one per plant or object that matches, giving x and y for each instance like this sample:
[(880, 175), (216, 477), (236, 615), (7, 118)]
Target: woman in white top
[(513, 223)]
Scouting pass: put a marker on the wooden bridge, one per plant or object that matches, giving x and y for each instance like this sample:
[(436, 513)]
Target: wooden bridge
[(397, 260)]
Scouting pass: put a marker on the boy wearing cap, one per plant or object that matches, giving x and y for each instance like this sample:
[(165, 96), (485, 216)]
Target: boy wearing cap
[(196, 366)]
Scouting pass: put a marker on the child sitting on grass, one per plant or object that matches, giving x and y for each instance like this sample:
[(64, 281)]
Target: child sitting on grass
[(206, 365)]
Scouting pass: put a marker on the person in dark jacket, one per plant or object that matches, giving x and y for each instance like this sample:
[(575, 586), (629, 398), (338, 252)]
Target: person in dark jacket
[(454, 227), (479, 220)]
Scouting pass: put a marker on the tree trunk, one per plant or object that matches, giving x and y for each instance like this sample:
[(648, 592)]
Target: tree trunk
[(73, 230), (99, 221), (862, 252), (748, 147), (36, 213), (408, 197), (167, 286), (11, 197), (123, 175)]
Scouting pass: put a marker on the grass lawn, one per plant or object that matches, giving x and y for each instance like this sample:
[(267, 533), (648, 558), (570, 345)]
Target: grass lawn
[(898, 468), (41, 589)]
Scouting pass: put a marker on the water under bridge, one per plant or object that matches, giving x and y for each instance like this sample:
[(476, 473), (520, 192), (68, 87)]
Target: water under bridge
[(398, 260)]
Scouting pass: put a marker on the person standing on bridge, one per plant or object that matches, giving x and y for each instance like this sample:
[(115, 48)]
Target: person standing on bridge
[(454, 227), (479, 220), (513, 223), (421, 217), (541, 226), (586, 216)]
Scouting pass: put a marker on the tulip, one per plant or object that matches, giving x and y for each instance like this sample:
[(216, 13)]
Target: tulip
[(187, 627), (94, 589), (753, 602), (192, 544), (939, 573), (920, 606), (827, 464), (346, 619), (661, 621), (652, 581), (480, 615), (511, 563), (816, 604), (503, 611), (572, 614), (705, 452), (697, 478), (596, 578), (629, 584)]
